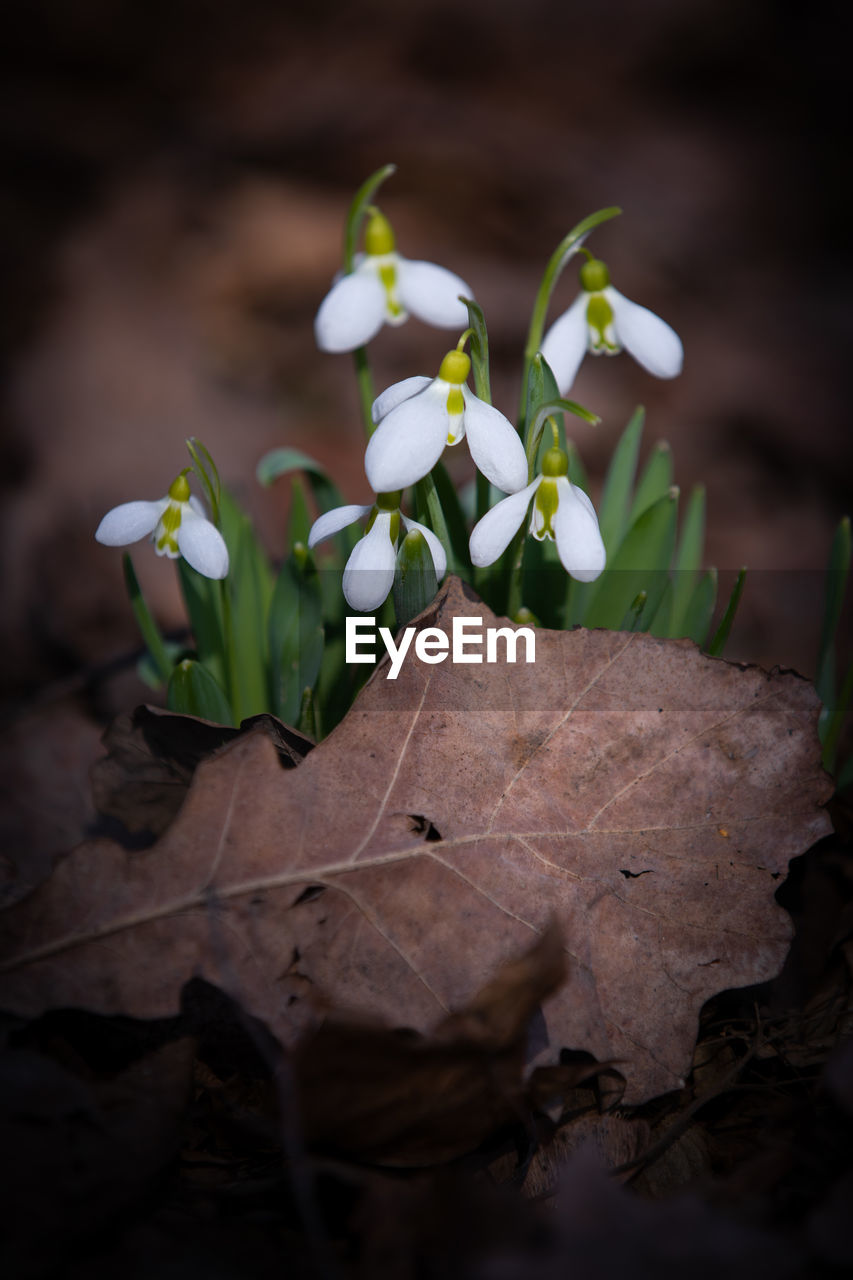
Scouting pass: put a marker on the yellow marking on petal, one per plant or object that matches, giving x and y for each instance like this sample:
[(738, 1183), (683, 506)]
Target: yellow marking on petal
[(599, 317), (455, 402), (388, 277), (167, 544), (545, 506), (170, 520), (165, 535)]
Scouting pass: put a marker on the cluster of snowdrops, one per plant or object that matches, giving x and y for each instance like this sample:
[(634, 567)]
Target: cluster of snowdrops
[(270, 641)]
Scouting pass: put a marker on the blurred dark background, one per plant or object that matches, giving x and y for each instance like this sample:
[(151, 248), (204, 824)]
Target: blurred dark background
[(175, 181)]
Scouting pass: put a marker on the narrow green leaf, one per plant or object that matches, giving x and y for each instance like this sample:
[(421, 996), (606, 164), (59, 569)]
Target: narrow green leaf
[(541, 386), (654, 481), (429, 503), (192, 691), (203, 601), (838, 571), (715, 648), (658, 623), (151, 633), (479, 347), (415, 581), (688, 559), (338, 683), (833, 731), (631, 620), (281, 462), (205, 468), (309, 716), (299, 524), (618, 483), (454, 516), (545, 583), (700, 608), (246, 598), (479, 350), (149, 672), (296, 634), (641, 564)]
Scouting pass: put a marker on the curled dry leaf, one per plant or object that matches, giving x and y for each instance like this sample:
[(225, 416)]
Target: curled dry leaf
[(646, 796), (399, 1098), (152, 755)]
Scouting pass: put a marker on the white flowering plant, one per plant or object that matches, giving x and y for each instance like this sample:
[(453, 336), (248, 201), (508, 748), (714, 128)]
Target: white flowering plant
[(524, 532)]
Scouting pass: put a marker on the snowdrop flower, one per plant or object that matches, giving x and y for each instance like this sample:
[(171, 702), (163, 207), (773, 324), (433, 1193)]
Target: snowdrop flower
[(177, 525), (602, 320), (419, 416), (369, 572), (561, 511), (383, 289)]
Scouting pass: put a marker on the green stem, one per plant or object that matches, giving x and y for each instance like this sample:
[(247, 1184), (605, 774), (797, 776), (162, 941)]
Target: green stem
[(366, 395), (150, 631), (229, 653), (516, 549), (565, 250), (427, 497)]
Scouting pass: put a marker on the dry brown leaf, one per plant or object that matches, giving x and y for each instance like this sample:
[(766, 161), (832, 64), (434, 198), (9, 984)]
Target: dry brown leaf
[(152, 755), (397, 1098), (644, 795)]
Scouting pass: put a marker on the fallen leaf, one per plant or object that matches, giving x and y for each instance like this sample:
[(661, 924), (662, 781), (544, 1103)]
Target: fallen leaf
[(399, 1098), (152, 755), (450, 816)]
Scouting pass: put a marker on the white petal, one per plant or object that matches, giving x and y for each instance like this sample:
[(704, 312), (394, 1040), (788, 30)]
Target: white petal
[(369, 572), (351, 313), (650, 340), (197, 505), (492, 535), (432, 294), (586, 500), (130, 522), (408, 441), (579, 544), (495, 444), (396, 394), (566, 342), (333, 521), (202, 545), (436, 548)]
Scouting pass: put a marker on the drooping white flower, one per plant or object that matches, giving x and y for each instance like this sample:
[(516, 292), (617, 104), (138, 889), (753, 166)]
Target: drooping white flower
[(369, 572), (561, 512), (177, 525), (419, 416), (383, 289), (603, 320)]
